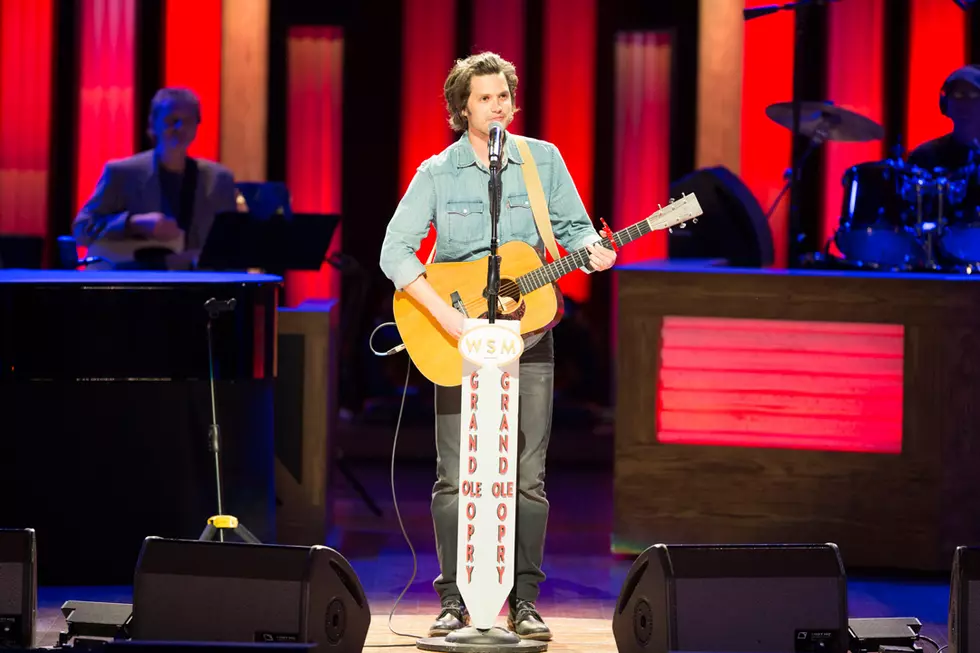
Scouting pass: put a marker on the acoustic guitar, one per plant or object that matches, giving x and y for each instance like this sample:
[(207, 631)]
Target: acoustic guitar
[(527, 291)]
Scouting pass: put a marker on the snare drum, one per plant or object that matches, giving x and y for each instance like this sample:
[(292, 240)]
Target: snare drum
[(883, 202)]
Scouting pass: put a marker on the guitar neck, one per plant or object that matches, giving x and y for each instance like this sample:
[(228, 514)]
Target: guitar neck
[(555, 270)]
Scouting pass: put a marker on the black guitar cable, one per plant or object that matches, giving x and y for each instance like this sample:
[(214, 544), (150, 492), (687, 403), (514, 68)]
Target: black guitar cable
[(394, 498)]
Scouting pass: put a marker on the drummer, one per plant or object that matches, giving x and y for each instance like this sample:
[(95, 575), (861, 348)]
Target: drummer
[(959, 99)]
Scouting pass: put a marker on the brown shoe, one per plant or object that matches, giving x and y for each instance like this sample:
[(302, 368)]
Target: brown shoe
[(524, 620), (453, 617)]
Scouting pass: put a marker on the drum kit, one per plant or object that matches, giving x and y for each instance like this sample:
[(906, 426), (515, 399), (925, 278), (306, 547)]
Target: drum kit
[(895, 216)]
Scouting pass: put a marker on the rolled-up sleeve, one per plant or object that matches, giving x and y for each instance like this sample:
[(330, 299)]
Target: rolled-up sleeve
[(569, 219), (408, 226)]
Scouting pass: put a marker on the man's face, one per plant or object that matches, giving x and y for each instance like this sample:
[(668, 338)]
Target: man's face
[(963, 103), (489, 101), (175, 125)]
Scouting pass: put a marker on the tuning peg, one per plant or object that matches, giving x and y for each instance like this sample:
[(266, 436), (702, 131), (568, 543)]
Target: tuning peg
[(694, 220), (671, 200), (670, 230), (683, 224)]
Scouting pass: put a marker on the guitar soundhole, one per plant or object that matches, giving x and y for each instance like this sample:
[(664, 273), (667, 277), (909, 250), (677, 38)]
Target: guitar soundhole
[(510, 305)]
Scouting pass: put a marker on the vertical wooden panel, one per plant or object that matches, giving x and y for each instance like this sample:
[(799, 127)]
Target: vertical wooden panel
[(937, 46), (488, 16), (244, 86), (196, 66), (855, 80), (107, 77), (25, 115), (721, 35), (428, 46), (568, 70), (314, 131)]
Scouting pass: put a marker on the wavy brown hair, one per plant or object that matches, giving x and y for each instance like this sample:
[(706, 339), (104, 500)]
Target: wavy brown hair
[(457, 86)]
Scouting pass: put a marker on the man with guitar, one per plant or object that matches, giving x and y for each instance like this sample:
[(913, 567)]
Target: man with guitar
[(450, 191)]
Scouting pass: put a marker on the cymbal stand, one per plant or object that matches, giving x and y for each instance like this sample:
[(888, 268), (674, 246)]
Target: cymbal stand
[(802, 9), (797, 170)]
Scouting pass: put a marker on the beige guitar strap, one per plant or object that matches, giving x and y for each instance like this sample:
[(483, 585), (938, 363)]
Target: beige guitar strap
[(535, 193)]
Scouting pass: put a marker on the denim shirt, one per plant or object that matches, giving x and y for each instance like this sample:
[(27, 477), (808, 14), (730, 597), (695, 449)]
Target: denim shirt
[(450, 191)]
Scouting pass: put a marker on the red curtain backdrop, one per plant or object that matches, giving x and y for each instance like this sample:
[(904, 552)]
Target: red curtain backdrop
[(781, 384), (937, 46), (767, 147), (855, 71), (568, 102), (488, 16), (106, 68), (314, 137), (25, 115), (192, 58), (428, 51)]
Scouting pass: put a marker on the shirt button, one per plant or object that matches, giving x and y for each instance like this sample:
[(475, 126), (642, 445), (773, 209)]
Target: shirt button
[(465, 211)]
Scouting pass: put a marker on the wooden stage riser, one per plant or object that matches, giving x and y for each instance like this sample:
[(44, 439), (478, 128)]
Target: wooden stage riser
[(905, 510)]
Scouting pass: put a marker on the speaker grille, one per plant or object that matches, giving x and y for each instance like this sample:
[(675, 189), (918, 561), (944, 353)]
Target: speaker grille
[(755, 614)]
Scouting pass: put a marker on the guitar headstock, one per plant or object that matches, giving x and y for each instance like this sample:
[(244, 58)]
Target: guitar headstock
[(678, 212)]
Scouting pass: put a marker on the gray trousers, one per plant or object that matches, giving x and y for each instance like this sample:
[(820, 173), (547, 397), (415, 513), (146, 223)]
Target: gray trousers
[(537, 374)]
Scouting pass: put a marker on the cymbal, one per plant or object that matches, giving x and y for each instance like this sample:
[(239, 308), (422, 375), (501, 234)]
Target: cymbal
[(830, 122)]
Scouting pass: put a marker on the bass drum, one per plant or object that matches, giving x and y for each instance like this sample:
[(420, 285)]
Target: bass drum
[(879, 213)]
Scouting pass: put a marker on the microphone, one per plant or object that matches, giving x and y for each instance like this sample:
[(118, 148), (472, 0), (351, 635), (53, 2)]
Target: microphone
[(758, 12), (495, 143), (215, 306)]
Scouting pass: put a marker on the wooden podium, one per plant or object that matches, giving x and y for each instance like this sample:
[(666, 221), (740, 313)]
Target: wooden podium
[(305, 410)]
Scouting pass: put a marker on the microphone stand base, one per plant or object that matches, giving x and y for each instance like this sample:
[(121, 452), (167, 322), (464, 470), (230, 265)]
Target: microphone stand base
[(474, 640)]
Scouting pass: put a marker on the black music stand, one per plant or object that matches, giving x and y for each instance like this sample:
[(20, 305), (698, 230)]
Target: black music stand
[(275, 243)]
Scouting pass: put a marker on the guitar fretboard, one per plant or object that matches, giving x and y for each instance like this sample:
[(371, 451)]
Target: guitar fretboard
[(557, 269)]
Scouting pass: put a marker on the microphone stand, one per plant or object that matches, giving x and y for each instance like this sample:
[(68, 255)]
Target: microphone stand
[(493, 262), (802, 9), (219, 523)]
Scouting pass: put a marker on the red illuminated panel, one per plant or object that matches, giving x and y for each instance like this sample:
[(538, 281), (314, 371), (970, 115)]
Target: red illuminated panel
[(766, 146), (488, 16), (781, 384), (642, 163), (25, 115), (428, 49), (855, 69), (937, 46), (568, 102), (314, 127), (192, 58), (106, 69)]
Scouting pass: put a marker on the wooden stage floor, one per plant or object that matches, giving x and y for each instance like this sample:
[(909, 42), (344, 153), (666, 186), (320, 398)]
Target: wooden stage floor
[(583, 579)]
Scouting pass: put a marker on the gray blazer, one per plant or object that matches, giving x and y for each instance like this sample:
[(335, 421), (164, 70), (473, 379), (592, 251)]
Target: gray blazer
[(132, 186)]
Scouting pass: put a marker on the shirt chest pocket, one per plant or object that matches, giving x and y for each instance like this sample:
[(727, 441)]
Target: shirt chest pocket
[(467, 221), (518, 217)]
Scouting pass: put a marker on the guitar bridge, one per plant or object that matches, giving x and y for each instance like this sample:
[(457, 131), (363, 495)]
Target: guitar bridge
[(458, 303)]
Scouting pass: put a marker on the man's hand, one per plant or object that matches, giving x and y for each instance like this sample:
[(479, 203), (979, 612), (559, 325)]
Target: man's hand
[(155, 225), (600, 258), (451, 321)]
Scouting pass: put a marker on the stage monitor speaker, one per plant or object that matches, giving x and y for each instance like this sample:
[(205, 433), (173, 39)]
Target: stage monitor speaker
[(781, 598), (190, 590), (733, 226), (964, 606), (18, 588)]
